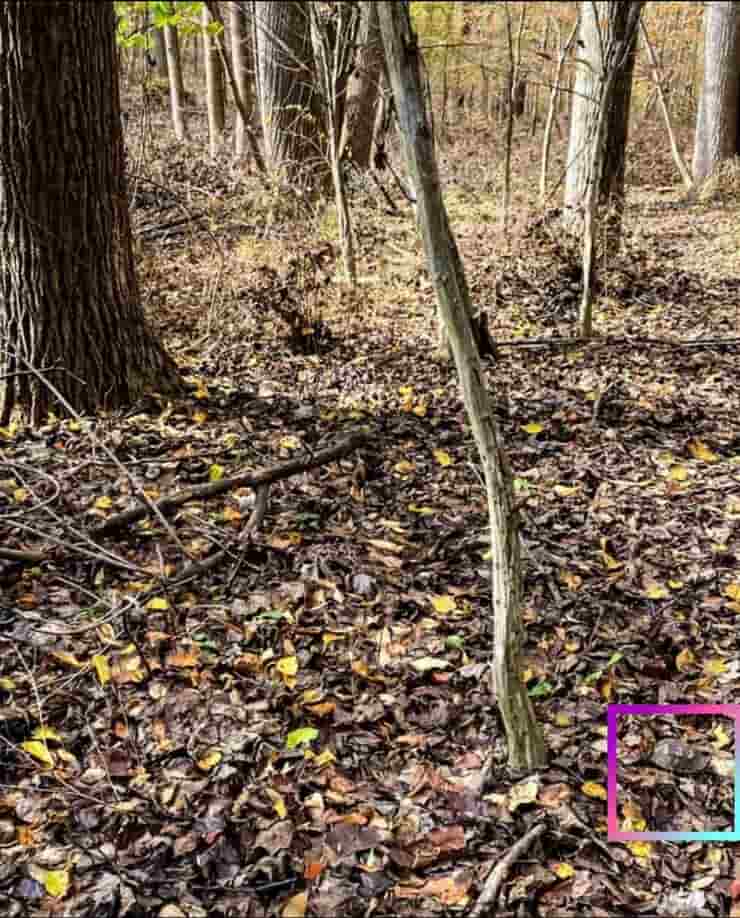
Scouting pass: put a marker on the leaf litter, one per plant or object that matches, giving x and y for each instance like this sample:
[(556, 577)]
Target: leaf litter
[(303, 729)]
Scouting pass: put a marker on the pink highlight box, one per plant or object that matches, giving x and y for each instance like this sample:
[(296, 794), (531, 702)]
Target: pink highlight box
[(731, 711)]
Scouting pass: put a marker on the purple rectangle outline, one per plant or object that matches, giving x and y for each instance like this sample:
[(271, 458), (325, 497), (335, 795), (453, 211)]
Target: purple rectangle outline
[(613, 712)]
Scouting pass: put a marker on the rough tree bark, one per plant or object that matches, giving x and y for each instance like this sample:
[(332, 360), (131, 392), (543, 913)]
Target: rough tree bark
[(363, 89), (717, 124), (289, 109), (214, 86), (159, 53), (525, 744), (241, 56), (69, 299), (603, 24)]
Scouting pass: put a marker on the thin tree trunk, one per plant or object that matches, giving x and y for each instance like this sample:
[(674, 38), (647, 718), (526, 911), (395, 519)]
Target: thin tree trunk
[(526, 747), (69, 299), (159, 52), (552, 110), (675, 152), (214, 87), (177, 87)]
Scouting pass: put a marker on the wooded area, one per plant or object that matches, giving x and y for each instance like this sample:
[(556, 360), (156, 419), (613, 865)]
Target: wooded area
[(369, 458)]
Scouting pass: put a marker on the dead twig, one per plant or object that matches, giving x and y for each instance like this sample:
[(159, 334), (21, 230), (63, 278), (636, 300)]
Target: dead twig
[(495, 879)]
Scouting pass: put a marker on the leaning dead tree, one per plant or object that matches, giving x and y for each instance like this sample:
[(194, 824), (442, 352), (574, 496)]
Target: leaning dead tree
[(525, 744)]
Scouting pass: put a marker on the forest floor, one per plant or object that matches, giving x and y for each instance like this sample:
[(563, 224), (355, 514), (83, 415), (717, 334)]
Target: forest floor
[(302, 729)]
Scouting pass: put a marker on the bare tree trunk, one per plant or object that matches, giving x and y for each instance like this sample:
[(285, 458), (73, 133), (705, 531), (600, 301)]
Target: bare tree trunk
[(676, 153), (159, 53), (526, 747), (717, 125), (292, 120), (177, 88), (603, 24), (552, 110), (615, 32), (510, 84), (214, 86), (334, 45), (69, 300), (241, 56), (362, 93)]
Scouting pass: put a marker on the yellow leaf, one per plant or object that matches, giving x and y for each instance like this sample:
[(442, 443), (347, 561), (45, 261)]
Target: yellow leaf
[(420, 410), (702, 452), (715, 667), (404, 468), (46, 733), (532, 428), (277, 802), (210, 759), (296, 906), (289, 443), (201, 391), (678, 473), (443, 457), (565, 490), (200, 416), (326, 757), (6, 684), (656, 591), (594, 790), (100, 662), (422, 511), (288, 667), (69, 659), (675, 584), (640, 849), (216, 472), (732, 590), (104, 503), (327, 639), (158, 604), (721, 738), (231, 515), (39, 751), (685, 660), (56, 883), (562, 719), (20, 495), (563, 871), (443, 604), (406, 391)]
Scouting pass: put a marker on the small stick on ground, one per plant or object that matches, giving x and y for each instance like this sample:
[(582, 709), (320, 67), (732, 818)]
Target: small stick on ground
[(496, 877)]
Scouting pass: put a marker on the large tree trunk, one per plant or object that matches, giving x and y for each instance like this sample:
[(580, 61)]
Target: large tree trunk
[(159, 52), (362, 93), (526, 748), (717, 123), (603, 24), (241, 56), (69, 300), (289, 108)]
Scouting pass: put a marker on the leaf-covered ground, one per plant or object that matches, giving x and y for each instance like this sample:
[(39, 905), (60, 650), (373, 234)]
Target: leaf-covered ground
[(307, 727)]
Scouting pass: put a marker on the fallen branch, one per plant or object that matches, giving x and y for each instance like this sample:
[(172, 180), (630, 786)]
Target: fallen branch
[(496, 877), (167, 505)]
